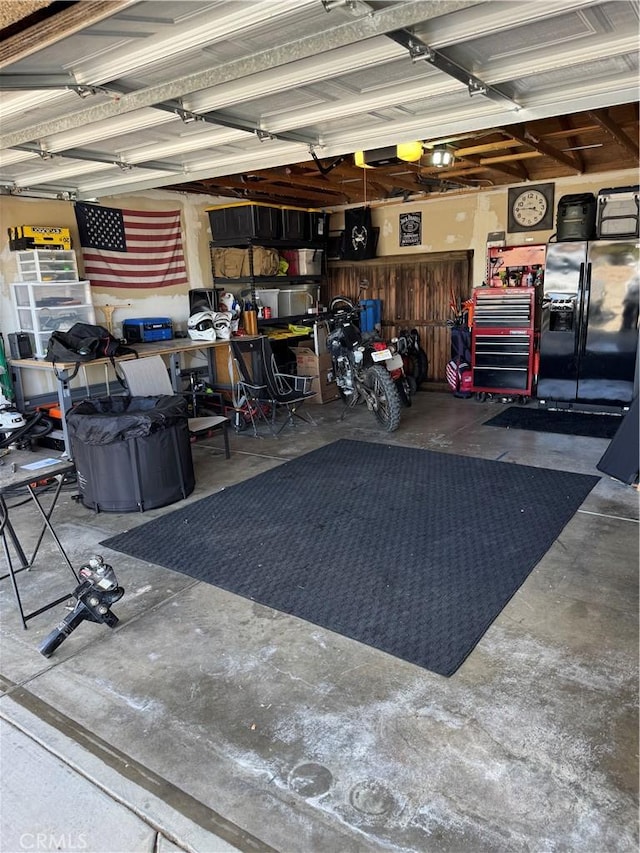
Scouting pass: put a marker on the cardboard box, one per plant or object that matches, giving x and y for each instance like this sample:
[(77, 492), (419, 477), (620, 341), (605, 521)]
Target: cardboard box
[(319, 367)]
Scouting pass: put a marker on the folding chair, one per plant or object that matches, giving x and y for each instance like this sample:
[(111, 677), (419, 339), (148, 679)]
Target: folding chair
[(268, 384), (249, 390), (148, 377)]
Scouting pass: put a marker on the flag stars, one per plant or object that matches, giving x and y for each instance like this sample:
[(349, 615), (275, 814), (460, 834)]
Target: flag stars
[(104, 228)]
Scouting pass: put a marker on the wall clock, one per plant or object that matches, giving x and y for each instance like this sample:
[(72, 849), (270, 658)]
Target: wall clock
[(531, 208)]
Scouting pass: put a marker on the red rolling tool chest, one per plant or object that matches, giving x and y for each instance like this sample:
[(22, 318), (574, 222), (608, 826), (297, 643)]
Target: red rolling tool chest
[(503, 340)]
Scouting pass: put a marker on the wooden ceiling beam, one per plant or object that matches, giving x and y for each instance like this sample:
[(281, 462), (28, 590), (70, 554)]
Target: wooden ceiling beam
[(286, 176), (575, 131), (263, 188), (487, 146), (573, 142), (509, 158), (529, 139), (512, 170), (499, 156), (612, 127)]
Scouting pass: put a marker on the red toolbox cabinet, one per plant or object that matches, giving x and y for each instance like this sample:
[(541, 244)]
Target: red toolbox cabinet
[(503, 340)]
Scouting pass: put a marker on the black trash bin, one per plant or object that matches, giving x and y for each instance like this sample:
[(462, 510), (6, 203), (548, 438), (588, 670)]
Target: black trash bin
[(131, 453)]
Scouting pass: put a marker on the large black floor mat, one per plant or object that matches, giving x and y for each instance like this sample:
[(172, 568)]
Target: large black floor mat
[(411, 551)]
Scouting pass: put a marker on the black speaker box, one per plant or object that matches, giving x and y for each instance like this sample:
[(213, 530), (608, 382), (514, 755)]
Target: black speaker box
[(203, 299), (20, 345), (576, 217)]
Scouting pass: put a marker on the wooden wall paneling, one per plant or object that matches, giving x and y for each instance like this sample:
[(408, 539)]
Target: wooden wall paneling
[(415, 293)]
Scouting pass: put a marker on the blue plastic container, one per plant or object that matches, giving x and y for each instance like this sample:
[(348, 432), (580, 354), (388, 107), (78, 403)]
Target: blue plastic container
[(370, 314)]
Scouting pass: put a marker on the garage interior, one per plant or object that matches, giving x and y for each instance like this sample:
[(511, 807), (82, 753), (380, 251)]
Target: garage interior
[(208, 721)]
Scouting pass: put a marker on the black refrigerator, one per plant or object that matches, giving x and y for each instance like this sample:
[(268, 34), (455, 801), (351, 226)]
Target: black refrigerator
[(589, 324)]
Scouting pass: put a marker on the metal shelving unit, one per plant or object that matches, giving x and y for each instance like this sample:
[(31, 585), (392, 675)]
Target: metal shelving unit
[(251, 226)]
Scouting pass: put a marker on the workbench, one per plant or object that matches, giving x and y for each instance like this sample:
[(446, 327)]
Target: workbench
[(216, 353)]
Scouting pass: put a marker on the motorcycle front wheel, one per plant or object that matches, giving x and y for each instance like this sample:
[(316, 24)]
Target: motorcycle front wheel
[(385, 400)]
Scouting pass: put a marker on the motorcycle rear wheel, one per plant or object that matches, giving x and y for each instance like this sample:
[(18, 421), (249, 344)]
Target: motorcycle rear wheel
[(386, 406)]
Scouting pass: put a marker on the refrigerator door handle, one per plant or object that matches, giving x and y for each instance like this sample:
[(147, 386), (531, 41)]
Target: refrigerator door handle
[(584, 309), (579, 318)]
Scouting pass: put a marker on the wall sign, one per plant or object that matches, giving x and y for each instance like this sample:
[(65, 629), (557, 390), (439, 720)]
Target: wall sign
[(410, 229)]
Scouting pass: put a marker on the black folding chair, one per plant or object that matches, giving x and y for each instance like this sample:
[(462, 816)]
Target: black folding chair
[(248, 386), (264, 383)]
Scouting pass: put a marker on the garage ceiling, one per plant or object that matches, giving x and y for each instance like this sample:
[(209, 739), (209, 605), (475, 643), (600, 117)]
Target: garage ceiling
[(268, 100)]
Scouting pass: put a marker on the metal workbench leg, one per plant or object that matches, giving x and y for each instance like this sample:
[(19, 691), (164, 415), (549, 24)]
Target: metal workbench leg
[(174, 371), (18, 388), (64, 399)]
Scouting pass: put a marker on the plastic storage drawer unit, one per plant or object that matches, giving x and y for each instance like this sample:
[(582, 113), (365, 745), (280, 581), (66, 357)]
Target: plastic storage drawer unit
[(43, 307), (47, 266)]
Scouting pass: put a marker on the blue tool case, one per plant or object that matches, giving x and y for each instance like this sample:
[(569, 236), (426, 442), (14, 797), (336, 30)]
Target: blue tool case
[(143, 330)]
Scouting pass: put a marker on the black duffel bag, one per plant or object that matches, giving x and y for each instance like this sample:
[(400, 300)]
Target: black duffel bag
[(84, 343)]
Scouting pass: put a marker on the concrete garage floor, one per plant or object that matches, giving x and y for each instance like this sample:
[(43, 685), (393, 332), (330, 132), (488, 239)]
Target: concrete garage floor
[(206, 722)]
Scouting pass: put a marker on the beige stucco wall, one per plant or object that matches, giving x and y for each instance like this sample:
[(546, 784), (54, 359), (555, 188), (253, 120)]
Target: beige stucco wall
[(170, 302), (463, 221), (166, 302)]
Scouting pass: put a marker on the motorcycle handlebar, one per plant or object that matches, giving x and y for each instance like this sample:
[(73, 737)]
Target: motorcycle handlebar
[(342, 300)]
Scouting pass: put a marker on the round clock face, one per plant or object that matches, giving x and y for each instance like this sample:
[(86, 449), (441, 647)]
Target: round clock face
[(529, 208)]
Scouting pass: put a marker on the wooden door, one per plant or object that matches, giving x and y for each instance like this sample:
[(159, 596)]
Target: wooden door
[(416, 292)]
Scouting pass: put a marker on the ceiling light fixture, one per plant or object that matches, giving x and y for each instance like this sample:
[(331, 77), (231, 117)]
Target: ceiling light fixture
[(440, 157)]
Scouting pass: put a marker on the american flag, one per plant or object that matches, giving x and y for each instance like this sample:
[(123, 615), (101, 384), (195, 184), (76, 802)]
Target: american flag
[(131, 248)]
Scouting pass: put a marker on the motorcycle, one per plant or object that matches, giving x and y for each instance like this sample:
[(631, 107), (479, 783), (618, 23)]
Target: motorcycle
[(359, 365), (414, 358)]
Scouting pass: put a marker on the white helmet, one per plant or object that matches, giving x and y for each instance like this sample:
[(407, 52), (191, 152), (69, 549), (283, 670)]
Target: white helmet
[(222, 325), (200, 326)]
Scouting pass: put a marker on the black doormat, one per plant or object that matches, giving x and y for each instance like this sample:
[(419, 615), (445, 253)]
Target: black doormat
[(410, 551), (565, 421)]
